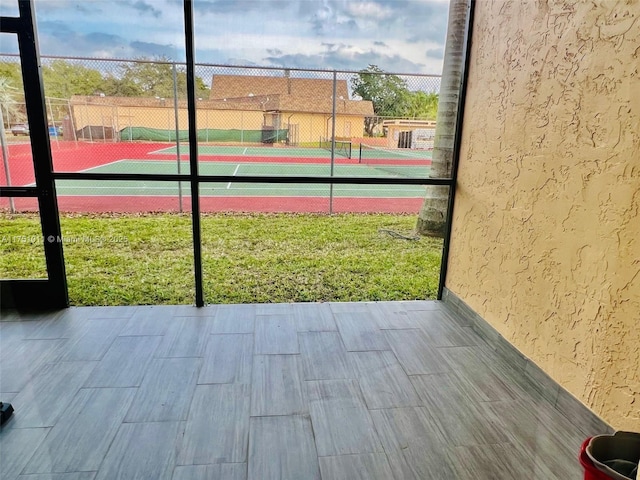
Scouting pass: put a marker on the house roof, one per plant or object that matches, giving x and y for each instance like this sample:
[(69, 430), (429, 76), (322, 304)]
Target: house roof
[(286, 94), (310, 95), (225, 86)]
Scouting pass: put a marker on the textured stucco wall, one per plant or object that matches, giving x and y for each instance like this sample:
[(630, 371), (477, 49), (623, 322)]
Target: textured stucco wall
[(546, 228)]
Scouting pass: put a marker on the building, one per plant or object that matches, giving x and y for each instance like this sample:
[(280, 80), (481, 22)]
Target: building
[(239, 104)]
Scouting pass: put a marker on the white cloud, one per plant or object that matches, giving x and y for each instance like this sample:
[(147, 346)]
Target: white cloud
[(394, 34), (369, 10)]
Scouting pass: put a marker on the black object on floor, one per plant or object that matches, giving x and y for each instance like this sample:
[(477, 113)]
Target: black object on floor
[(6, 410)]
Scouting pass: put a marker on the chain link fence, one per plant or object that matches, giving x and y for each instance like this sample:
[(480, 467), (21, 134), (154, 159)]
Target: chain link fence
[(129, 116)]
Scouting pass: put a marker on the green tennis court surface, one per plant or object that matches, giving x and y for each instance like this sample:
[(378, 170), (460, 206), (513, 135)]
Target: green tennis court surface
[(135, 188), (367, 153), (250, 151), (374, 153)]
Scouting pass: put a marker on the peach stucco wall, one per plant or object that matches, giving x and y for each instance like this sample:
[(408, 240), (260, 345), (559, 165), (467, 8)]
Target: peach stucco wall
[(546, 228)]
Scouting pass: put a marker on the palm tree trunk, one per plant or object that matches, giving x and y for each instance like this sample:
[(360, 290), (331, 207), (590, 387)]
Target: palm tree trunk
[(432, 217)]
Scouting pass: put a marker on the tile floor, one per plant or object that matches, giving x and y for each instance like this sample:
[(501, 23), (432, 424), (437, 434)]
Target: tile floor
[(390, 390)]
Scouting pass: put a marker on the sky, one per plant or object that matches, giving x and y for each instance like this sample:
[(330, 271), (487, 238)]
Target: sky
[(403, 36)]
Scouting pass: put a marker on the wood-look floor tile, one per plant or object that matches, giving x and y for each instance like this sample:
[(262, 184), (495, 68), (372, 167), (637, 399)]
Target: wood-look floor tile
[(420, 305), (390, 315), (16, 447), (59, 326), (276, 387), (415, 354), (462, 420), (443, 332), (364, 466), (518, 434), (218, 425), (428, 462), (59, 476), (165, 393), (234, 319), (21, 361), (120, 311), (81, 437), (383, 381), (95, 340), (341, 421), (141, 451), (276, 334), (228, 359), (47, 396), (502, 462), (149, 321), (125, 363), (12, 333), (540, 431), (193, 311), (186, 337), (481, 379), (399, 427), (282, 448), (349, 307), (220, 471), (274, 309), (324, 356), (360, 331), (314, 317)]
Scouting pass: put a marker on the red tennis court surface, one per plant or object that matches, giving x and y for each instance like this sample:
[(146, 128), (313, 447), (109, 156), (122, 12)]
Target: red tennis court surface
[(81, 156)]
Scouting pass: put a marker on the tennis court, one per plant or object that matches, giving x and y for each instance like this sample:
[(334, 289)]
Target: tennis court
[(94, 195), (131, 188)]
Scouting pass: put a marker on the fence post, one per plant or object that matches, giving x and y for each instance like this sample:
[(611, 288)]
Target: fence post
[(175, 111), (73, 123), (333, 138), (89, 122), (53, 123)]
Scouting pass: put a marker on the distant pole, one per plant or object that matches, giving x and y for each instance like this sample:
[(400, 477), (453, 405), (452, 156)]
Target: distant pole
[(53, 122), (175, 111), (73, 123), (5, 159)]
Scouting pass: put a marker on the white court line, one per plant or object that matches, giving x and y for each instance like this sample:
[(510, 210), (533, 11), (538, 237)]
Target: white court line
[(104, 165), (245, 150), (88, 169), (163, 151), (234, 174)]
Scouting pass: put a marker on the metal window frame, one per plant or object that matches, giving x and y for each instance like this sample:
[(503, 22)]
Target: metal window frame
[(53, 291)]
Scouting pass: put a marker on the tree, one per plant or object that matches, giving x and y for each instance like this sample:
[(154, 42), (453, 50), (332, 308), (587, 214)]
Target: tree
[(11, 110), (154, 79), (63, 79), (11, 91), (388, 93), (432, 218), (421, 105), (10, 71), (119, 87)]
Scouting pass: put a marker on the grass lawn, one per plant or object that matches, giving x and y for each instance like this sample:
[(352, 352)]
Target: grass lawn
[(120, 259)]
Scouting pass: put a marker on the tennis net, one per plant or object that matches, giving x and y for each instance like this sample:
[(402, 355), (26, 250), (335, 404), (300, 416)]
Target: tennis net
[(342, 147)]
